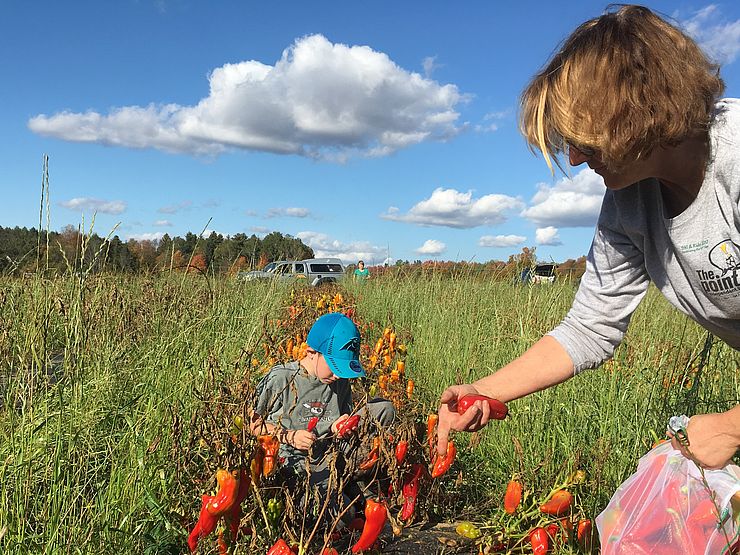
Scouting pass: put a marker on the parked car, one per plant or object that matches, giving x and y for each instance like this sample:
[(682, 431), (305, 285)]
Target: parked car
[(314, 271), (541, 273)]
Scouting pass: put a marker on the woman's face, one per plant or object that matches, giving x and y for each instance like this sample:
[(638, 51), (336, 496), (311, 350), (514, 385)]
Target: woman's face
[(636, 171)]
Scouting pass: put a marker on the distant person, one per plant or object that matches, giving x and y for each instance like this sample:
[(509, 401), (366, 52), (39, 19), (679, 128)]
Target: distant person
[(361, 273), (637, 100)]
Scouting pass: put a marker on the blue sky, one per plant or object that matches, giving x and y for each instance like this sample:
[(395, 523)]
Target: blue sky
[(369, 130)]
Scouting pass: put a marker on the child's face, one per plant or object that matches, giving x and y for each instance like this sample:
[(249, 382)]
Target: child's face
[(318, 367)]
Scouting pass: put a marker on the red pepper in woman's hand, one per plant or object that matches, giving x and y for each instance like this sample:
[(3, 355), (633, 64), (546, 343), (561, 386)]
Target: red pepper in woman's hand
[(205, 525), (558, 504), (539, 540), (401, 449), (375, 517), (410, 491), (228, 486), (443, 462), (348, 426), (498, 409)]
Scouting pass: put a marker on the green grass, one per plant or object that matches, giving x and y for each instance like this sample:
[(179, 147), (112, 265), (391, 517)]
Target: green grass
[(87, 448)]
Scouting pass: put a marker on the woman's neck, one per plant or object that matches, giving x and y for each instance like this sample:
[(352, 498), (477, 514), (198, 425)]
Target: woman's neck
[(681, 173)]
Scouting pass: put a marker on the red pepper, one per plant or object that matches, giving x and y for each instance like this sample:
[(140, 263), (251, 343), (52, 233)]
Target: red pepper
[(329, 551), (558, 504), (313, 421), (583, 533), (375, 516), (348, 426), (228, 486), (513, 496), (431, 436), (235, 513), (280, 548), (372, 458), (443, 462), (410, 491), (498, 409), (205, 525), (223, 549), (539, 541), (269, 446), (401, 449)]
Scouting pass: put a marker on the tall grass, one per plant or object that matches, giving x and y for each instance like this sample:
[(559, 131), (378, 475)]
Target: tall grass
[(98, 374)]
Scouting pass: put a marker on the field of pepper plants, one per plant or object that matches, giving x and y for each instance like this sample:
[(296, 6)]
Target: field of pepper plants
[(124, 403)]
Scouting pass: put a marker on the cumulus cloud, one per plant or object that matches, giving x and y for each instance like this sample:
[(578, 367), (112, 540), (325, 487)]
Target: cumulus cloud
[(325, 247), (154, 237), (94, 205), (452, 208), (321, 100), (490, 121), (431, 247), (430, 65), (571, 202), (260, 230), (718, 36), (175, 208), (547, 236), (288, 212), (501, 240), (163, 223)]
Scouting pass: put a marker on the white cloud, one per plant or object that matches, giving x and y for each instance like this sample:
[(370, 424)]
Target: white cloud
[(490, 121), (175, 208), (547, 236), (501, 240), (155, 237), (95, 205), (571, 202), (163, 223), (324, 246), (452, 208), (431, 247), (259, 230), (719, 37), (322, 100), (430, 65), (288, 212)]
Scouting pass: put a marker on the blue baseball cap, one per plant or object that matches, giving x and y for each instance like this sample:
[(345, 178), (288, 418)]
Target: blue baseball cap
[(337, 338)]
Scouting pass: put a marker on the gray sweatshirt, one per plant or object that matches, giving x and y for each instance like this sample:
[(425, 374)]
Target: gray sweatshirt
[(693, 259)]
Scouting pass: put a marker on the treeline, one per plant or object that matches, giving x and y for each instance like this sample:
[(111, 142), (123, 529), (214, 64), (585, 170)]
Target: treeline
[(25, 250), (510, 269)]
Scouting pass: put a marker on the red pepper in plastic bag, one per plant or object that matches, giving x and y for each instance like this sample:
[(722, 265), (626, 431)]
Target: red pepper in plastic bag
[(375, 516), (205, 525), (498, 409), (443, 462)]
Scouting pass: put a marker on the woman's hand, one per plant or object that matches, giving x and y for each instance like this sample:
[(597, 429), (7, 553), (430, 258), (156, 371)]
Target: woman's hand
[(472, 420), (301, 439), (712, 440)]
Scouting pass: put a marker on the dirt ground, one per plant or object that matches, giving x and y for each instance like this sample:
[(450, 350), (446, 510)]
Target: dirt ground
[(439, 539)]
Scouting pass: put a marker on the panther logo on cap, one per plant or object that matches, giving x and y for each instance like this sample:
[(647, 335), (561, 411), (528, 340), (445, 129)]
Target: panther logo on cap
[(352, 345)]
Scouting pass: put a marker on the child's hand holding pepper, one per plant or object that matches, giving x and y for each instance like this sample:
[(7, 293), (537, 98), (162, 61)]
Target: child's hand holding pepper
[(300, 439)]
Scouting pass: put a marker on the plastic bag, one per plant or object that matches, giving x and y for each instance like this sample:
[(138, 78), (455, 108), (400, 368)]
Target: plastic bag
[(665, 508)]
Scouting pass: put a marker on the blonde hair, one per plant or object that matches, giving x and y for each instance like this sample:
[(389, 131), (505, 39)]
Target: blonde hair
[(623, 84)]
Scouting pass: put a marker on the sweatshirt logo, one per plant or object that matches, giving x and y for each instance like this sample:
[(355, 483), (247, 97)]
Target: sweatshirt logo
[(725, 257)]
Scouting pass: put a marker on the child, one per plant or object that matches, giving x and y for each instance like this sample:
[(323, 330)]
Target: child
[(315, 387)]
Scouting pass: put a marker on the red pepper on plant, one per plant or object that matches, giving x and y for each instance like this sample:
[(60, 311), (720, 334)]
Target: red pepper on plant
[(558, 503), (228, 486), (443, 462), (401, 450), (584, 531), (235, 513), (410, 491), (431, 436), (539, 541), (269, 446), (375, 516), (280, 547), (205, 525), (513, 496)]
